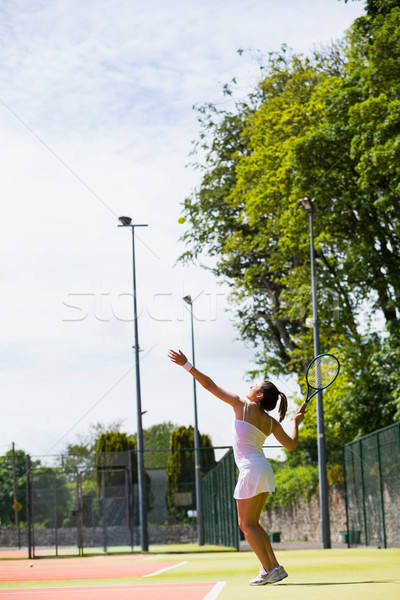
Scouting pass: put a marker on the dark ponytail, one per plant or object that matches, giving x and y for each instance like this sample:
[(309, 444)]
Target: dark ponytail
[(270, 398)]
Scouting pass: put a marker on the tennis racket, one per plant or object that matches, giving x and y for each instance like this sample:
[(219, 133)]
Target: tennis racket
[(321, 372)]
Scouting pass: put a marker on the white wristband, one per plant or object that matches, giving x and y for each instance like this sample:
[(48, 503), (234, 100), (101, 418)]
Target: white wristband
[(188, 366)]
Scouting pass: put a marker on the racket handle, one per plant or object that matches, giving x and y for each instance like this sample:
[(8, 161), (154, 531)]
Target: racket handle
[(303, 407)]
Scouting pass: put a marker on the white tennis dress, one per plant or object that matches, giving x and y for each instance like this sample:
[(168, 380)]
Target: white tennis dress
[(255, 472)]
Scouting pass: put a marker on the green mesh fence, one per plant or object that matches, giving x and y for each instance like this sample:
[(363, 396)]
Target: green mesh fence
[(75, 506), (220, 515), (372, 485), (72, 511), (78, 507)]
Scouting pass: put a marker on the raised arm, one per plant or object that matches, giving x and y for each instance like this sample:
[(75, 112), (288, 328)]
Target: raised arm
[(289, 441), (180, 359)]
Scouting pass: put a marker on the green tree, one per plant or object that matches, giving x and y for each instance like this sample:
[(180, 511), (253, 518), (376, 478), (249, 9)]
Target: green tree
[(79, 456), (109, 460), (156, 439), (109, 448), (349, 162), (49, 485), (44, 481), (76, 458), (245, 212), (7, 514), (378, 7), (359, 133), (181, 469), (325, 127)]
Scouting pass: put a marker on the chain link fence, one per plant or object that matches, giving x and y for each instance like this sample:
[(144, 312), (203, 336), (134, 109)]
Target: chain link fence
[(372, 489), (220, 514), (70, 510), (81, 505), (77, 508)]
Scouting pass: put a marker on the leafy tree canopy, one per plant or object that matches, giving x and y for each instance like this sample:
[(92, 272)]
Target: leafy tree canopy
[(378, 7), (324, 127), (79, 456), (156, 440)]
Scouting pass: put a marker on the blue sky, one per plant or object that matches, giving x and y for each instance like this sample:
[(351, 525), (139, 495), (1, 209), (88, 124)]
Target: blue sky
[(96, 121)]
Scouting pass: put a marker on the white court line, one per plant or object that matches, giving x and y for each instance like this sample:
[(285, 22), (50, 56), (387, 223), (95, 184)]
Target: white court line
[(214, 593), (166, 569)]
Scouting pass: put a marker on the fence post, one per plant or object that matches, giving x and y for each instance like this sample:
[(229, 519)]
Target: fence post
[(381, 490), (104, 509), (363, 491), (15, 495), (29, 505), (346, 499), (79, 521), (131, 521), (55, 511)]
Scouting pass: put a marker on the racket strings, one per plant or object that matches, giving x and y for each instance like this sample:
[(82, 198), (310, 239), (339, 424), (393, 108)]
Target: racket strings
[(322, 371)]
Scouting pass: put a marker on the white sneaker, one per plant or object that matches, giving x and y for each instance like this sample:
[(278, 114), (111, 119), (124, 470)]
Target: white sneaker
[(273, 576), (279, 574), (263, 577)]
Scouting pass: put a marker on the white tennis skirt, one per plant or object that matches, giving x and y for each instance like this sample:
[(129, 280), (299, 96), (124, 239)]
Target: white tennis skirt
[(254, 479)]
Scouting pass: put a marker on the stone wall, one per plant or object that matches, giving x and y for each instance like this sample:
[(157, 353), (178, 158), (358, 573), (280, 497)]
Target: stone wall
[(300, 521), (9, 538), (172, 534)]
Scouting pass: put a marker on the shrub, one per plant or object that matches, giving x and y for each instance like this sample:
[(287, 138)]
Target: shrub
[(293, 483)]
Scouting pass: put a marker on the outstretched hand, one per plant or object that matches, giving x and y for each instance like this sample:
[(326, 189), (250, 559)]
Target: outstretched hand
[(177, 357), (299, 417)]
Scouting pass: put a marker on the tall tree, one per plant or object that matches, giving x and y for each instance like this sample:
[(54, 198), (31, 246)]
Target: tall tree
[(112, 450), (181, 470), (349, 162), (156, 440), (326, 127), (246, 212)]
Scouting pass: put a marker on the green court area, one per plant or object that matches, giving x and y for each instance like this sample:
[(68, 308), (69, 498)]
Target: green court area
[(345, 574), (313, 574)]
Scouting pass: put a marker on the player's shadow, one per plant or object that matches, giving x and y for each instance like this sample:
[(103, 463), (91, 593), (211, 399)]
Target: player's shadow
[(322, 583)]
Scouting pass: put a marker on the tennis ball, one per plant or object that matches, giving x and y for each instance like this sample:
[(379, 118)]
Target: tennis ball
[(31, 564), (181, 220)]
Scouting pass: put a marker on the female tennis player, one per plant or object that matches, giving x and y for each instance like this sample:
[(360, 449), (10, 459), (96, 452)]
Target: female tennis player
[(251, 426)]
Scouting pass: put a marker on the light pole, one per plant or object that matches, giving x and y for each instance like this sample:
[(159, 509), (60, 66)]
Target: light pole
[(323, 480), (197, 469), (127, 222)]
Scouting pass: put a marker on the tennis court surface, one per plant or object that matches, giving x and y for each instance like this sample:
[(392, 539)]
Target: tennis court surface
[(339, 573), (195, 591), (102, 567), (56, 579)]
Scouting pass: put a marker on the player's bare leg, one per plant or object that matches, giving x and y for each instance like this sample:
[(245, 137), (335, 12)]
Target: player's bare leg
[(249, 514)]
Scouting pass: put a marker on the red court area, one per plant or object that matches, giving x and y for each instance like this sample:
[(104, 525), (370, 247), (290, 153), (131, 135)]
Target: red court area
[(182, 591), (101, 567), (72, 572)]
